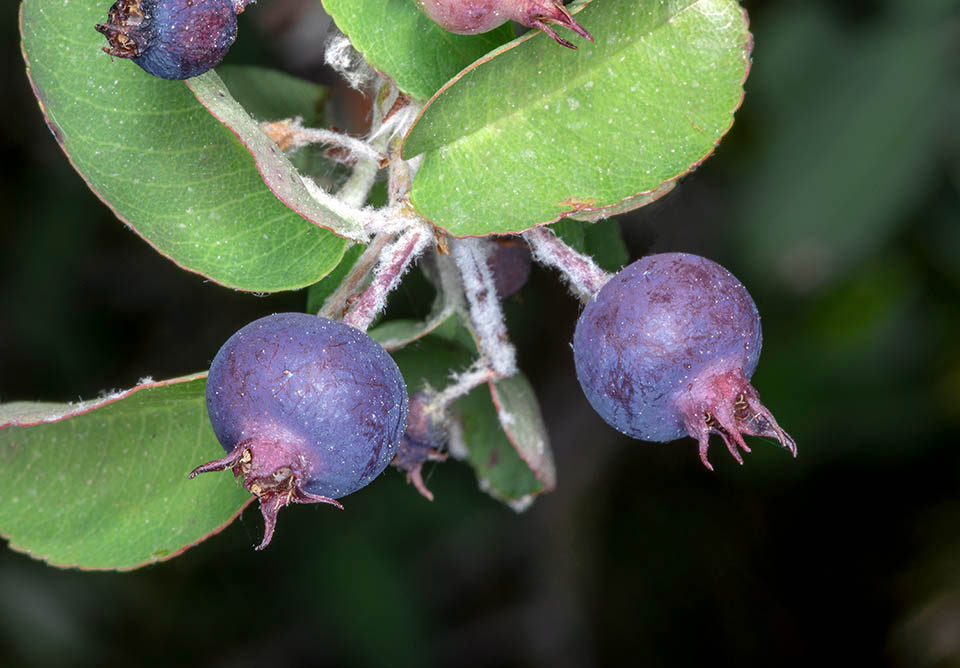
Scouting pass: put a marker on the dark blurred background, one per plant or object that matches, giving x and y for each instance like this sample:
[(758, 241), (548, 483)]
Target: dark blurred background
[(835, 199)]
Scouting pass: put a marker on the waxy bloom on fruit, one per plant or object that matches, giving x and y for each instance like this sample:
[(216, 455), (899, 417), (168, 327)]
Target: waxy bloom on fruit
[(308, 410), (468, 17), (666, 349)]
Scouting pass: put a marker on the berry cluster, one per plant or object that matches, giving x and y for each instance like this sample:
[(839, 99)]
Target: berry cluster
[(310, 409)]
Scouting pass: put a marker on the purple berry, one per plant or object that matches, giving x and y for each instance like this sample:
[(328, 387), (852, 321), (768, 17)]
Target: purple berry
[(172, 39), (308, 410), (666, 349), (510, 261), (468, 17)]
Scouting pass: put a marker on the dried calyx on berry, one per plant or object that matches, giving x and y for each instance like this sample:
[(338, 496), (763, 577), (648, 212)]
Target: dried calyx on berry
[(468, 17), (172, 39), (667, 348), (307, 409)]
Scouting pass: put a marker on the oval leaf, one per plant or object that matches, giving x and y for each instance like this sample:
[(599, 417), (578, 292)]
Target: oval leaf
[(157, 158), (398, 39), (501, 471), (103, 485), (532, 132)]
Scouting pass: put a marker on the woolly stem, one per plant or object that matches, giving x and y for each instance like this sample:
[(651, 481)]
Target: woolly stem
[(582, 274), (395, 259), (290, 134), (463, 383), (483, 306), (335, 305)]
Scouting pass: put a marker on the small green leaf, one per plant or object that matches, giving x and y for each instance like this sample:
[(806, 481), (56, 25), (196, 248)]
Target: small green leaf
[(532, 133), (604, 243), (519, 415), (269, 95), (398, 39), (157, 158), (103, 485), (395, 334), (501, 471)]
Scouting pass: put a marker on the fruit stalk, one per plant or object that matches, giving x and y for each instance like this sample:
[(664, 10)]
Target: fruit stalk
[(580, 271)]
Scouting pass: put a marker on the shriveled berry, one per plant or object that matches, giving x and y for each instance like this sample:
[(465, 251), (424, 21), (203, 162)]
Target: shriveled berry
[(424, 440), (172, 39), (666, 349), (308, 410), (468, 17)]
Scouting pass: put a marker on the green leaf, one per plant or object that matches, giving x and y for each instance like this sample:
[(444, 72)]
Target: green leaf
[(398, 39), (519, 415), (269, 95), (395, 334), (532, 133), (275, 168), (500, 469), (157, 158), (627, 205), (103, 485), (604, 243)]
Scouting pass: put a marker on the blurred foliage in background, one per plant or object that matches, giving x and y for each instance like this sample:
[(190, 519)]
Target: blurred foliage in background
[(835, 199)]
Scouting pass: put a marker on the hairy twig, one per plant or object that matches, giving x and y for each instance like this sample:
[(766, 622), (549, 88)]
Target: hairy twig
[(483, 306), (394, 260), (582, 274)]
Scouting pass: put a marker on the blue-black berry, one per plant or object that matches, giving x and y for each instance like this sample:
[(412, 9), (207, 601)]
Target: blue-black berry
[(172, 39)]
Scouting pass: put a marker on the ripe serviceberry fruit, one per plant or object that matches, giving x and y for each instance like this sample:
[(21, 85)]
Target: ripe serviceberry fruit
[(172, 39), (308, 410), (667, 347), (468, 17)]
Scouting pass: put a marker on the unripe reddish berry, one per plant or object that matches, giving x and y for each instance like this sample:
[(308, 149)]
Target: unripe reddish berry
[(468, 17)]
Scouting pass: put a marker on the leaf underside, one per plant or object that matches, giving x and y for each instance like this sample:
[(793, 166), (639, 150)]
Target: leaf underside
[(533, 132)]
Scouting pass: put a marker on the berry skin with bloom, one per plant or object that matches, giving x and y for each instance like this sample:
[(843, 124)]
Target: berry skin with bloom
[(172, 39), (666, 349), (468, 17), (308, 410)]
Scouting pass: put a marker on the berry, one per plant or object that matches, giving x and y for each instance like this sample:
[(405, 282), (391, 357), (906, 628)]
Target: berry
[(468, 17), (308, 410), (510, 261), (666, 349), (423, 441), (172, 39)]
